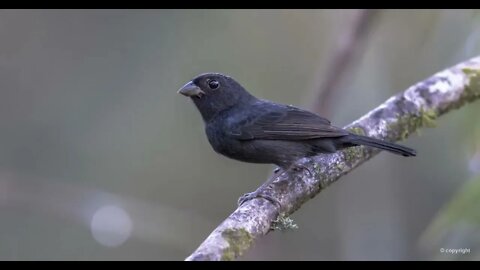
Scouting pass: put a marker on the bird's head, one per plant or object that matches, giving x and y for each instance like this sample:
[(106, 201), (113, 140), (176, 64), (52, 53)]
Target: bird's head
[(215, 92)]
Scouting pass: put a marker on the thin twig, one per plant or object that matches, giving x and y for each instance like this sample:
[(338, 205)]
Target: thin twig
[(350, 45)]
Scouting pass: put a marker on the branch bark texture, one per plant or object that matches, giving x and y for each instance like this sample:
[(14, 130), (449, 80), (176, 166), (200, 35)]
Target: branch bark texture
[(394, 120)]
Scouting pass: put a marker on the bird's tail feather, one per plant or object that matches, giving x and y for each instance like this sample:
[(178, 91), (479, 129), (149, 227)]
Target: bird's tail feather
[(384, 145)]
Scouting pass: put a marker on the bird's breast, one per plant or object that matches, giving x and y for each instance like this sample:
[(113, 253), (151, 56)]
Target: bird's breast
[(219, 139)]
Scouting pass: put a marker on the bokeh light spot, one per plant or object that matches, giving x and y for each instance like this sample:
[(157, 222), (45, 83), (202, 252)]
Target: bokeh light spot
[(111, 226)]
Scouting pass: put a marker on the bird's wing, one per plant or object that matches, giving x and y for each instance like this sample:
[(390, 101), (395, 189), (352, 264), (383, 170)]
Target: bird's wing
[(281, 122)]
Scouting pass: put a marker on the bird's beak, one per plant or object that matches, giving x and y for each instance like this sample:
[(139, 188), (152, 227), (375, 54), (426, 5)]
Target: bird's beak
[(190, 90)]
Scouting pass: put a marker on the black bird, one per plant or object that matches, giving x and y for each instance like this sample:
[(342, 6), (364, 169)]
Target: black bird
[(243, 127)]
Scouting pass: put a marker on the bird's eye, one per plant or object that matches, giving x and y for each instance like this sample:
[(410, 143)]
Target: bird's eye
[(213, 84)]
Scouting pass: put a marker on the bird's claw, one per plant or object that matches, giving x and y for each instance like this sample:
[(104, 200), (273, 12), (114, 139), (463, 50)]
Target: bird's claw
[(299, 167), (257, 194)]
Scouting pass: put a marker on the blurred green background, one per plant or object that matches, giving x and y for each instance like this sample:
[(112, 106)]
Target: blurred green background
[(101, 159)]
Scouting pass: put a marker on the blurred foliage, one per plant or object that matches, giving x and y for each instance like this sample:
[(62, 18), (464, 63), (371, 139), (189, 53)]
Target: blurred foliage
[(457, 225)]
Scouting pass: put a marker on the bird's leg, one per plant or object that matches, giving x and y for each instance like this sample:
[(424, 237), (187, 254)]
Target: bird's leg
[(298, 167), (277, 172), (258, 193)]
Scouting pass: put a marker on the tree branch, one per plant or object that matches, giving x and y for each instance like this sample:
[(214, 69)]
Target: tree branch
[(394, 120)]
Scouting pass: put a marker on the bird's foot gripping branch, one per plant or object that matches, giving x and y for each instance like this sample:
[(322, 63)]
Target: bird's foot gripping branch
[(401, 115)]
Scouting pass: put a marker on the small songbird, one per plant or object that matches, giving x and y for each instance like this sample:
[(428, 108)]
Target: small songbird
[(245, 128)]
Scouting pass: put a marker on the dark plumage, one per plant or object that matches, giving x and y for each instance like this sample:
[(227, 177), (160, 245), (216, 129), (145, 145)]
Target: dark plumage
[(242, 127)]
